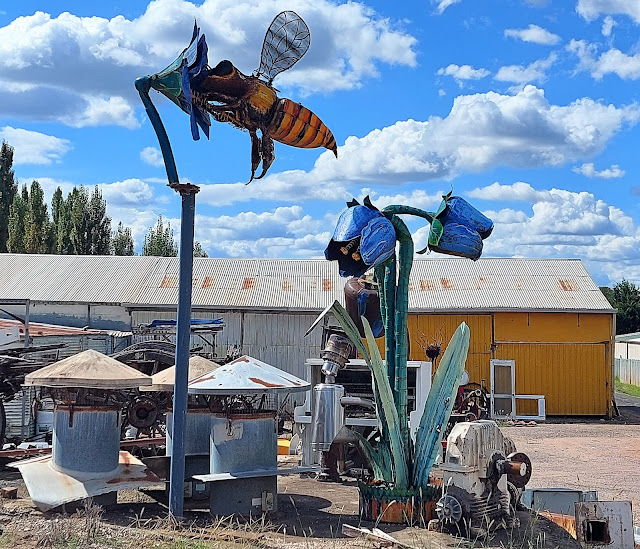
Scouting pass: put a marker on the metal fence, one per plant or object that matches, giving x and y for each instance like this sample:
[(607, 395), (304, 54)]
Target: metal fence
[(628, 371)]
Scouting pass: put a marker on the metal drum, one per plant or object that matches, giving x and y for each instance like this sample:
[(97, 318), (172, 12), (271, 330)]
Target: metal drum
[(327, 415), (196, 433), (86, 439), (243, 442)]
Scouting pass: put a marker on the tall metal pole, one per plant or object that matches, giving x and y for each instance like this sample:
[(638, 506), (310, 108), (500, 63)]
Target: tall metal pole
[(183, 330), (183, 333)]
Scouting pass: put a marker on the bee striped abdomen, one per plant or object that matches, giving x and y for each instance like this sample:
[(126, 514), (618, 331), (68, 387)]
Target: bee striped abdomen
[(297, 126)]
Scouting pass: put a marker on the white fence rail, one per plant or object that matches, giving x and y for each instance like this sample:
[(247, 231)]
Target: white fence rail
[(628, 371)]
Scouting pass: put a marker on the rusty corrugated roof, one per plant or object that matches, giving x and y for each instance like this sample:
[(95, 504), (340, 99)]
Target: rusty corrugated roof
[(437, 283)]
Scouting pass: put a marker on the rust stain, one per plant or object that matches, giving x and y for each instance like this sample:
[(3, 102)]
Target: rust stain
[(287, 286), (568, 285), (169, 282), (568, 522), (446, 284), (327, 285), (264, 383), (207, 282), (249, 283), (425, 284), (412, 286)]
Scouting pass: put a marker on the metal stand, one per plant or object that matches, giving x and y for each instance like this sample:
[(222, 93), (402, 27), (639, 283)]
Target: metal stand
[(188, 194)]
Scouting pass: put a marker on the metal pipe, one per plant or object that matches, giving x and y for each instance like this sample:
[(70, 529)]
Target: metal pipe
[(183, 333), (358, 401)]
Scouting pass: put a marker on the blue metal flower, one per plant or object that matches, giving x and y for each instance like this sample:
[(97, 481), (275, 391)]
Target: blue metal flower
[(458, 229), (176, 81), (363, 238)]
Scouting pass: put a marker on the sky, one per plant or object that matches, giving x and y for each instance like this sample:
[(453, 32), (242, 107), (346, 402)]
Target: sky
[(529, 109)]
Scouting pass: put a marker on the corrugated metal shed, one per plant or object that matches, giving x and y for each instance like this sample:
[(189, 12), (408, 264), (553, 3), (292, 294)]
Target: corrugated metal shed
[(437, 284)]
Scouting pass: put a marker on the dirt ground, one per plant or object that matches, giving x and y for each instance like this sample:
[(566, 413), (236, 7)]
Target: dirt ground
[(588, 455)]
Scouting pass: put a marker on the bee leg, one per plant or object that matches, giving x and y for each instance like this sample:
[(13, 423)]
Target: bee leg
[(256, 153), (268, 155)]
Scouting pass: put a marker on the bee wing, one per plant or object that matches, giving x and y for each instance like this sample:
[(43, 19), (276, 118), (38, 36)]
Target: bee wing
[(286, 41)]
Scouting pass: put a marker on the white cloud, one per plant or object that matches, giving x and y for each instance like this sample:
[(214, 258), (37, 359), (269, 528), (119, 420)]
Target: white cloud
[(519, 74), (80, 70), (607, 25), (482, 131), (417, 198), (444, 4), (130, 192), (152, 156), (34, 147), (588, 170), (612, 61), (283, 232), (462, 73), (570, 224), (516, 192), (592, 9), (535, 34)]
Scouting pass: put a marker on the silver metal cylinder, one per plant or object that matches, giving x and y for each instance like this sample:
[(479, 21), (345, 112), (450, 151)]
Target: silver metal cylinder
[(196, 433), (335, 354), (86, 439), (243, 442), (327, 415)]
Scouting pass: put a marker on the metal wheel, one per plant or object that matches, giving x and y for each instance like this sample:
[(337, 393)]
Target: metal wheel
[(449, 510)]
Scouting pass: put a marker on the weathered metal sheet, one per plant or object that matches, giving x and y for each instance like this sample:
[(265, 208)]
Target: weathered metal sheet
[(50, 488), (247, 375), (88, 369), (165, 380), (436, 284), (604, 524)]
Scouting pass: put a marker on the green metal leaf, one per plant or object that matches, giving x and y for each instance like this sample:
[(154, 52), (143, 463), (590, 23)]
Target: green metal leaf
[(375, 458), (397, 446), (439, 404)]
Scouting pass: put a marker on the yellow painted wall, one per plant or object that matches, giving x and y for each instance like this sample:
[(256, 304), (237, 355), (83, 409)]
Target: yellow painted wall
[(564, 356)]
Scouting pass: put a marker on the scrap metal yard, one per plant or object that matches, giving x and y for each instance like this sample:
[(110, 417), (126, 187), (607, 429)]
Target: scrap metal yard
[(593, 455)]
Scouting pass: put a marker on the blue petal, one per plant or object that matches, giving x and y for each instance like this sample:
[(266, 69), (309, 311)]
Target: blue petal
[(459, 211), (459, 240), (352, 221), (378, 241)]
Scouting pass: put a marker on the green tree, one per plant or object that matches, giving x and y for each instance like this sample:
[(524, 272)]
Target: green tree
[(8, 191), (198, 251), (159, 241), (36, 222), (122, 241), (16, 227), (626, 298), (99, 225)]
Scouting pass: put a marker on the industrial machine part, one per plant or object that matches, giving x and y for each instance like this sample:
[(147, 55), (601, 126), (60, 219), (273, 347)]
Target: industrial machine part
[(604, 524), (243, 400), (335, 355), (482, 478), (89, 391), (358, 408)]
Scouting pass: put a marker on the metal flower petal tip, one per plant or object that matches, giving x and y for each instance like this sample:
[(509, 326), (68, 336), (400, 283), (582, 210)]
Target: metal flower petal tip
[(458, 229), (363, 238), (176, 81)]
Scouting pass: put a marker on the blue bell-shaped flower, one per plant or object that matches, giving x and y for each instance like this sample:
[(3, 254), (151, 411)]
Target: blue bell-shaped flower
[(363, 238)]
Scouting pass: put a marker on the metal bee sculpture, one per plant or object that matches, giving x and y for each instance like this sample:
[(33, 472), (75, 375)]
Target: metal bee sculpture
[(246, 102)]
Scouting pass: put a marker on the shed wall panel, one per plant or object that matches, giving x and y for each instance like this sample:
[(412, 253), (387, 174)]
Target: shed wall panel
[(574, 378), (552, 327)]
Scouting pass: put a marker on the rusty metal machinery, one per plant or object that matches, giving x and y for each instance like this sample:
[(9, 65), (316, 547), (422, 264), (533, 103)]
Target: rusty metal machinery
[(483, 478)]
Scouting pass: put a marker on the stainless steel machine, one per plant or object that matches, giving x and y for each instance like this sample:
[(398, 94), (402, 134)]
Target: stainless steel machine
[(342, 395)]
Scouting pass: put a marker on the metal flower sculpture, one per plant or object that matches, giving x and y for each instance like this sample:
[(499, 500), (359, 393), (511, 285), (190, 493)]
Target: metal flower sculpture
[(246, 102), (366, 238)]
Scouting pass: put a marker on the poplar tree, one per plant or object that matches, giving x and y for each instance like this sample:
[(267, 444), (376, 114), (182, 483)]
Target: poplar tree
[(36, 222), (122, 241), (159, 241), (8, 191), (16, 228)]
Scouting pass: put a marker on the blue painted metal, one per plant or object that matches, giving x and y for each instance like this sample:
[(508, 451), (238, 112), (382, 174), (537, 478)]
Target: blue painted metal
[(196, 434), (183, 333), (75, 446), (243, 443)]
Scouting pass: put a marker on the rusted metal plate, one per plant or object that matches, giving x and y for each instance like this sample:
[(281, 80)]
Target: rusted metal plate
[(247, 375), (604, 524), (568, 522), (50, 488)]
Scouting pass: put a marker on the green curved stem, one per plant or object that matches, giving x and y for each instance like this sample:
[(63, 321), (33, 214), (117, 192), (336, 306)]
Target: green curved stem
[(432, 217), (405, 262)]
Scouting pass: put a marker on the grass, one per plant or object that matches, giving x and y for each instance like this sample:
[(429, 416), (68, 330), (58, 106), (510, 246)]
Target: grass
[(627, 388)]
